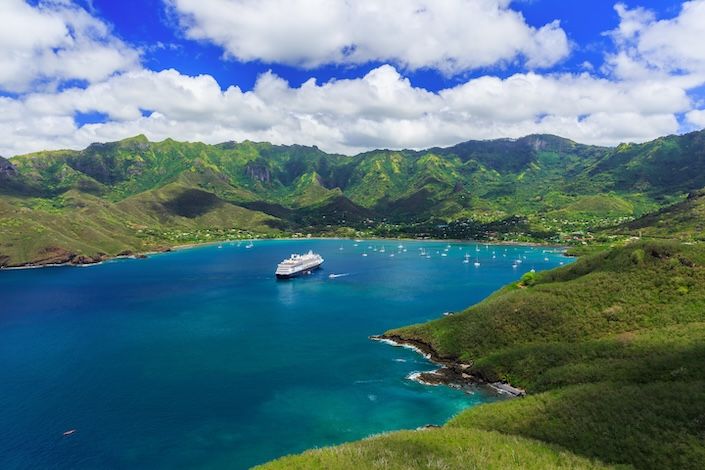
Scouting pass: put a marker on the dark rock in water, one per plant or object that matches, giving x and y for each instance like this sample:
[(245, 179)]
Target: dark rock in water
[(7, 169), (451, 373), (131, 254), (85, 259)]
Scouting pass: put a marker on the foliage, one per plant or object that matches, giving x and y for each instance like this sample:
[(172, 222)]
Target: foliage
[(538, 188), (438, 448), (684, 220)]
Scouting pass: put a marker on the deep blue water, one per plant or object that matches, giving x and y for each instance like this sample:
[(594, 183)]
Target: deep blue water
[(199, 358)]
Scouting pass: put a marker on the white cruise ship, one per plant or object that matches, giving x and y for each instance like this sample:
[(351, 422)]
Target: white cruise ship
[(299, 264)]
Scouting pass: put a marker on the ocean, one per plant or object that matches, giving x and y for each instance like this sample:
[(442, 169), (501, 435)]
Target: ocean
[(201, 359)]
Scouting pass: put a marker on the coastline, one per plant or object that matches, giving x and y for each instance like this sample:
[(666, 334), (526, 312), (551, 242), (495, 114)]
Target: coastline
[(65, 258), (451, 372), (68, 259)]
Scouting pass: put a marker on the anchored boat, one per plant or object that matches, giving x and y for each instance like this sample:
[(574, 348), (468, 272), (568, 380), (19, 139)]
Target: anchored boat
[(297, 265)]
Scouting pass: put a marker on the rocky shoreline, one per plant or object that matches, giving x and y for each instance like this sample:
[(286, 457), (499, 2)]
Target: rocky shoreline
[(57, 257), (451, 373)]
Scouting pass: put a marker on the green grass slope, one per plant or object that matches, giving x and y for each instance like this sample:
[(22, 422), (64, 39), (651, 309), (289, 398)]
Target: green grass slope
[(439, 449), (684, 220), (653, 425), (79, 227), (524, 329), (611, 350)]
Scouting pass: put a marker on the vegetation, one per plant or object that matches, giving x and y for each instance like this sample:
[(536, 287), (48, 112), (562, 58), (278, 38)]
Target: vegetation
[(448, 447), (611, 350), (684, 220), (136, 195)]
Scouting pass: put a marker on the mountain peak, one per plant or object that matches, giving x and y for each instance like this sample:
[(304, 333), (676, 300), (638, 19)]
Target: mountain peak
[(138, 139)]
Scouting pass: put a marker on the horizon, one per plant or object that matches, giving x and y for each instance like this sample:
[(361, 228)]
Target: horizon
[(313, 146)]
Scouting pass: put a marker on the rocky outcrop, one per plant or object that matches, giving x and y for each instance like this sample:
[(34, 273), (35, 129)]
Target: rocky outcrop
[(53, 255), (258, 173), (452, 372), (7, 169)]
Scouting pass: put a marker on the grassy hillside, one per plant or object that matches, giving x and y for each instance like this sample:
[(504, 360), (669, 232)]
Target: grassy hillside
[(445, 448), (152, 194), (611, 350), (684, 220), (556, 323)]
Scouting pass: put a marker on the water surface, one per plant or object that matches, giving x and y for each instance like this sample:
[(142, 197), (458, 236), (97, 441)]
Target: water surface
[(199, 358)]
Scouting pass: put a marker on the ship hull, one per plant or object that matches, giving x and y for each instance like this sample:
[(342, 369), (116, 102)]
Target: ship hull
[(299, 273)]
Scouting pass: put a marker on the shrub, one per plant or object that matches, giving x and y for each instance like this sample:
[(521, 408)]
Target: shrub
[(528, 279)]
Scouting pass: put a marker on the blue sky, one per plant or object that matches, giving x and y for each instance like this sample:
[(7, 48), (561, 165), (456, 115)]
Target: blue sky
[(395, 73), (584, 22)]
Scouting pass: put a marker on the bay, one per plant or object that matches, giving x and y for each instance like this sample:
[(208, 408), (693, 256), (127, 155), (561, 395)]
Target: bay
[(201, 359)]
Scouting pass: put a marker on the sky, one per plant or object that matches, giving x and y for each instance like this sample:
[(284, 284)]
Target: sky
[(348, 75)]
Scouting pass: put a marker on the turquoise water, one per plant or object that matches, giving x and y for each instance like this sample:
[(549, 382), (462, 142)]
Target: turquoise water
[(199, 358)]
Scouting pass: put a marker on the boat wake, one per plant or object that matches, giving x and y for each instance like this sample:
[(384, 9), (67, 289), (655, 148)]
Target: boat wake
[(335, 276)]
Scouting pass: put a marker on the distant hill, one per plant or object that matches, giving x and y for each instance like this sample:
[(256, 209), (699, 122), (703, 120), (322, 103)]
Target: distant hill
[(684, 220), (135, 195)]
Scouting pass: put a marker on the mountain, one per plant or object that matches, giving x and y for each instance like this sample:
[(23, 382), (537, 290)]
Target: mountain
[(135, 195), (610, 350)]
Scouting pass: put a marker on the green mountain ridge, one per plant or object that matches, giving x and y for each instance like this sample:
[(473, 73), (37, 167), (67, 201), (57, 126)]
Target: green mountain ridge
[(536, 187)]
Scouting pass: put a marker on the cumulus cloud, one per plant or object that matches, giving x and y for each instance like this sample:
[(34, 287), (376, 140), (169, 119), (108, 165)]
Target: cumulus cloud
[(381, 109), (448, 35), (646, 90), (56, 41), (696, 117), (648, 47)]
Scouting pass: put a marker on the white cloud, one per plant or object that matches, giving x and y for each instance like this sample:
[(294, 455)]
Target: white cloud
[(696, 117), (56, 41), (642, 97), (382, 109), (660, 48), (448, 35)]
